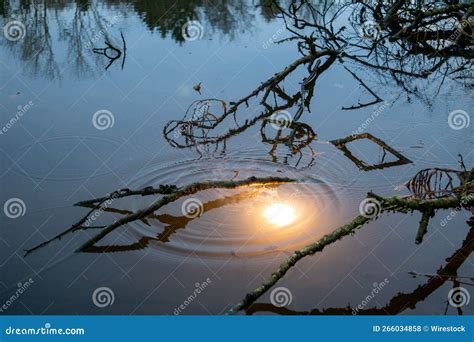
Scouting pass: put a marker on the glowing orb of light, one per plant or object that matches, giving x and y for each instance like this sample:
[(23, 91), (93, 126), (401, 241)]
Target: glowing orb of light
[(279, 214)]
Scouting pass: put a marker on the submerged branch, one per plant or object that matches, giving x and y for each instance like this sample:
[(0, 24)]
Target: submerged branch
[(359, 105), (423, 228), (163, 189), (383, 204), (317, 246), (172, 194), (184, 191), (401, 301)]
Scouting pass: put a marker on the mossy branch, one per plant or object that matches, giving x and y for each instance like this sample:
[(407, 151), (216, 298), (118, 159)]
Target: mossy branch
[(182, 192), (163, 189), (317, 246), (171, 193), (397, 204), (423, 228)]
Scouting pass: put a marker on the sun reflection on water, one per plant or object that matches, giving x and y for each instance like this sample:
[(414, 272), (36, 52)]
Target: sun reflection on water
[(279, 214), (252, 221)]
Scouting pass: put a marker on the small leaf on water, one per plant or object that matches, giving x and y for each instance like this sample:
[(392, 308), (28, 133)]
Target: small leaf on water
[(197, 87)]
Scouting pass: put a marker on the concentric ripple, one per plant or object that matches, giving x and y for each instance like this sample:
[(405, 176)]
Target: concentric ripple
[(250, 221)]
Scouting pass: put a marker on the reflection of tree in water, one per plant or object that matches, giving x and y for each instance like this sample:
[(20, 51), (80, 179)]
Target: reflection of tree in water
[(77, 22), (4, 7), (166, 194), (407, 42), (402, 44), (402, 301), (168, 16), (36, 47), (43, 19), (172, 223), (268, 9)]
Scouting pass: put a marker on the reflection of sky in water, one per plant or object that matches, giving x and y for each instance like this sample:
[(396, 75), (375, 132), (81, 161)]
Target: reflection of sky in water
[(54, 157), (239, 223)]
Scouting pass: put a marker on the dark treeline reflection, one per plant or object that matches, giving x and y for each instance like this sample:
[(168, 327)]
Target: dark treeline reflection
[(83, 24), (166, 16), (405, 45)]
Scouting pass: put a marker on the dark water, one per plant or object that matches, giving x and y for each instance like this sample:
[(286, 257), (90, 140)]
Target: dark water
[(54, 156)]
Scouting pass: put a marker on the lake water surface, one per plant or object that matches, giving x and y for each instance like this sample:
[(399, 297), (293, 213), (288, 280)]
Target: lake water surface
[(57, 154)]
